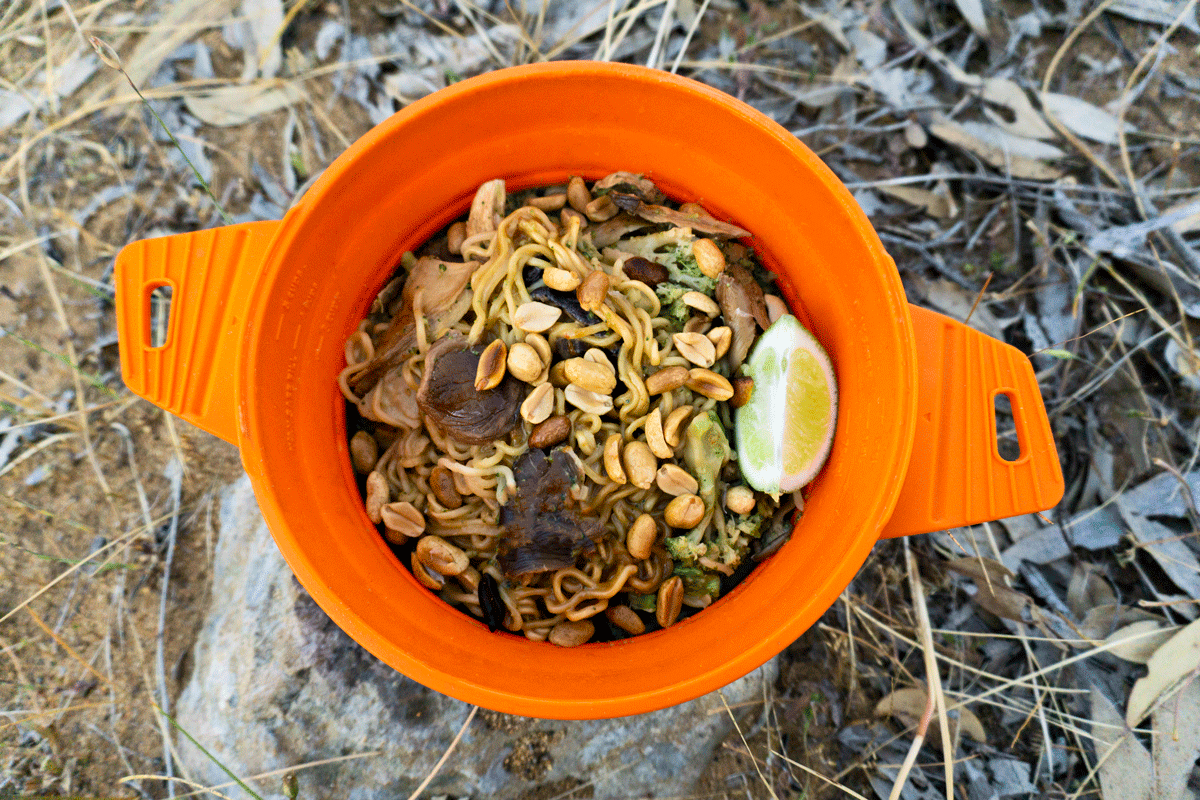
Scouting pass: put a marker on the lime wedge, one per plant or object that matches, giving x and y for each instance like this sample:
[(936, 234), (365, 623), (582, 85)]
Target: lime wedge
[(785, 431)]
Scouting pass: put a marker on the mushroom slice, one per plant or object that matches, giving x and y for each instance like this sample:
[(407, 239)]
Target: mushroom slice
[(441, 284), (449, 398), (542, 528), (661, 214), (629, 182), (610, 232), (742, 305), (487, 209)]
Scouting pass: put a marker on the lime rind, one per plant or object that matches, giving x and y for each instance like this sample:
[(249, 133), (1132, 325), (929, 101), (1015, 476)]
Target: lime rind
[(761, 424)]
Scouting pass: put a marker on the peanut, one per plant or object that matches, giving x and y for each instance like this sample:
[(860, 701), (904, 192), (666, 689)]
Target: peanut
[(675, 480), (562, 280), (654, 435), (670, 601), (601, 209), (550, 432), (709, 384), (441, 483), (440, 556), (550, 202), (673, 425), (739, 499), (426, 577), (490, 370), (640, 538), (403, 519), (696, 348), (571, 634), (612, 458), (590, 375), (364, 452), (743, 387), (578, 195), (708, 257), (455, 237), (377, 495), (626, 619), (667, 380), (539, 404), (776, 308), (591, 402), (720, 337), (640, 464), (593, 290), (685, 511), (524, 362), (702, 303), (536, 317)]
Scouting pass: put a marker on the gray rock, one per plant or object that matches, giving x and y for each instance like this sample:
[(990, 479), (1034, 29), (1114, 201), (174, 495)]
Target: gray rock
[(275, 685)]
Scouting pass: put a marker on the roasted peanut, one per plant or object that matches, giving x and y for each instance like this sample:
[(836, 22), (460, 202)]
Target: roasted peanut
[(601, 209), (550, 202), (709, 384), (441, 483), (590, 375), (539, 343), (364, 452), (720, 337), (626, 619), (667, 380), (776, 308), (702, 303), (673, 425), (640, 464), (440, 556), (578, 195), (654, 435), (739, 499), (695, 347), (591, 402), (597, 356), (561, 280), (593, 290), (490, 370), (539, 405), (536, 317), (571, 634), (558, 375), (455, 236), (697, 323), (553, 431), (378, 493), (403, 518), (425, 576), (675, 480), (612, 458), (693, 209), (708, 257), (469, 578), (743, 387), (640, 538), (685, 511), (524, 362), (670, 601)]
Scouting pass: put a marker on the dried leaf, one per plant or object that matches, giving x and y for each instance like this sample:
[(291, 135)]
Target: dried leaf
[(1159, 12), (1186, 363), (1027, 122), (1127, 771), (1137, 642), (986, 570), (180, 22), (1171, 662), (972, 11), (1088, 589), (908, 705), (1177, 741), (237, 105), (1100, 622), (264, 19), (1192, 221), (1082, 118), (937, 205), (1018, 165)]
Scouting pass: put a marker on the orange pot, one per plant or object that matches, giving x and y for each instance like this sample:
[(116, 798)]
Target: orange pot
[(260, 312)]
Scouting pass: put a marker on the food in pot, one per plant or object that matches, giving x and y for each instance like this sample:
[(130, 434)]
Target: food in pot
[(542, 401)]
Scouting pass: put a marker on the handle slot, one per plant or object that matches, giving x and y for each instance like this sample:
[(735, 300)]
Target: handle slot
[(158, 296), (1008, 438)]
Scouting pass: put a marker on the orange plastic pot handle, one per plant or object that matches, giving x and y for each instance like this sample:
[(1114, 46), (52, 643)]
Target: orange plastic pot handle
[(211, 274), (956, 475)]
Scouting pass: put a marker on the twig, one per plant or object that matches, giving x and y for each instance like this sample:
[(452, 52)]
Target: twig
[(445, 756), (742, 736)]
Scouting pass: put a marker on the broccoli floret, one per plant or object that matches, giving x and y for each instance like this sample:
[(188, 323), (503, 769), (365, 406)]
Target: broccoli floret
[(682, 269), (643, 602), (697, 581), (683, 550), (749, 525), (673, 307)]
